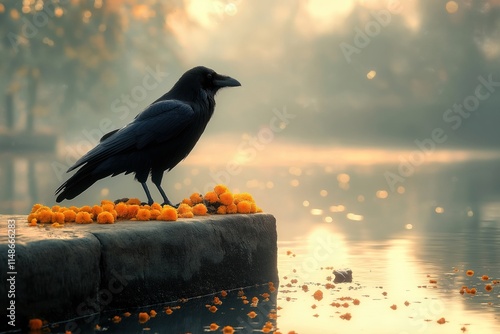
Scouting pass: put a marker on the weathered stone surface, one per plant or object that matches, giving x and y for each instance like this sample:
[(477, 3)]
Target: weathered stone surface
[(82, 269)]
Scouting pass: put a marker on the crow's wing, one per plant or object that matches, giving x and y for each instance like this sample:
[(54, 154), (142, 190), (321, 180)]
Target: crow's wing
[(158, 123)]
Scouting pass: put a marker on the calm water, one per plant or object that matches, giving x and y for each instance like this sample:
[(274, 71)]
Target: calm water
[(438, 222)]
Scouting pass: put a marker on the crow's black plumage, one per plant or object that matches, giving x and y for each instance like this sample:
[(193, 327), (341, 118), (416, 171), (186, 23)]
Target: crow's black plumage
[(156, 140)]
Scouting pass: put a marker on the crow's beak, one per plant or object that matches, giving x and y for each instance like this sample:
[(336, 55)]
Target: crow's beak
[(225, 81)]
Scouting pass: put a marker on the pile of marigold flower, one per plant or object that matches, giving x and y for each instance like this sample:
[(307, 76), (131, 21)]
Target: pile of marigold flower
[(219, 201)]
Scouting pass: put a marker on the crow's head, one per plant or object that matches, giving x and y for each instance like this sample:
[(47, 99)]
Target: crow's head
[(208, 79)]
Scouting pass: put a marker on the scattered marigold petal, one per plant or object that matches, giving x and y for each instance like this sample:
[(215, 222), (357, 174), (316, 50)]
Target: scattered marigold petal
[(169, 311), (469, 272), (105, 217), (485, 277), (143, 317), (223, 293), (488, 287), (214, 326), (433, 281), (35, 324), (252, 314), (212, 309), (116, 319), (473, 291), (407, 303), (394, 306), (228, 330), (33, 222), (127, 314), (346, 316), (152, 313), (356, 301), (318, 295), (441, 321)]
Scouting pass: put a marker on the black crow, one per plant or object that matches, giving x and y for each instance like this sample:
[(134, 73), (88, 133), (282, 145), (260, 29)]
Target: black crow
[(156, 140)]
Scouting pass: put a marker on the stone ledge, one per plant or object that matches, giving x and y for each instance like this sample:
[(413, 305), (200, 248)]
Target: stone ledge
[(78, 270)]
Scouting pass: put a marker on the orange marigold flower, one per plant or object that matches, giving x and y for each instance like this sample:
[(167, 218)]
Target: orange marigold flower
[(69, 216), (211, 197), (318, 295), (222, 210), (121, 210), (105, 217), (488, 287), (243, 197), (58, 217), (74, 208), (187, 201), (96, 210), (200, 209), (143, 317), (132, 211), (55, 208), (44, 216), (220, 188), (441, 321), (226, 198), (485, 277), (108, 207), (106, 201), (214, 326), (244, 207), (86, 208), (183, 208), (469, 272), (231, 208), (154, 214), (116, 319), (33, 222), (169, 311), (35, 324), (228, 330), (156, 206), (143, 214), (134, 201), (36, 207), (168, 213), (212, 309), (83, 218), (189, 214), (252, 314), (195, 198)]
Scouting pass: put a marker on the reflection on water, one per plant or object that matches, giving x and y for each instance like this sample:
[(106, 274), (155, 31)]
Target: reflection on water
[(433, 224)]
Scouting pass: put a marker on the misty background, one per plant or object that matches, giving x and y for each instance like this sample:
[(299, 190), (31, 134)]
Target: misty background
[(326, 83)]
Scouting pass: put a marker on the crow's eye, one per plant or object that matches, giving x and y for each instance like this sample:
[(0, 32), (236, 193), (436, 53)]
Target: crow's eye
[(209, 76)]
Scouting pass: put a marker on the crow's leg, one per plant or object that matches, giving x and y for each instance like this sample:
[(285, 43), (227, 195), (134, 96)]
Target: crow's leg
[(165, 198), (148, 194)]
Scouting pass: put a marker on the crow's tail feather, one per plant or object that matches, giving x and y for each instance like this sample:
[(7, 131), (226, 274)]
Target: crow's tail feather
[(77, 184)]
